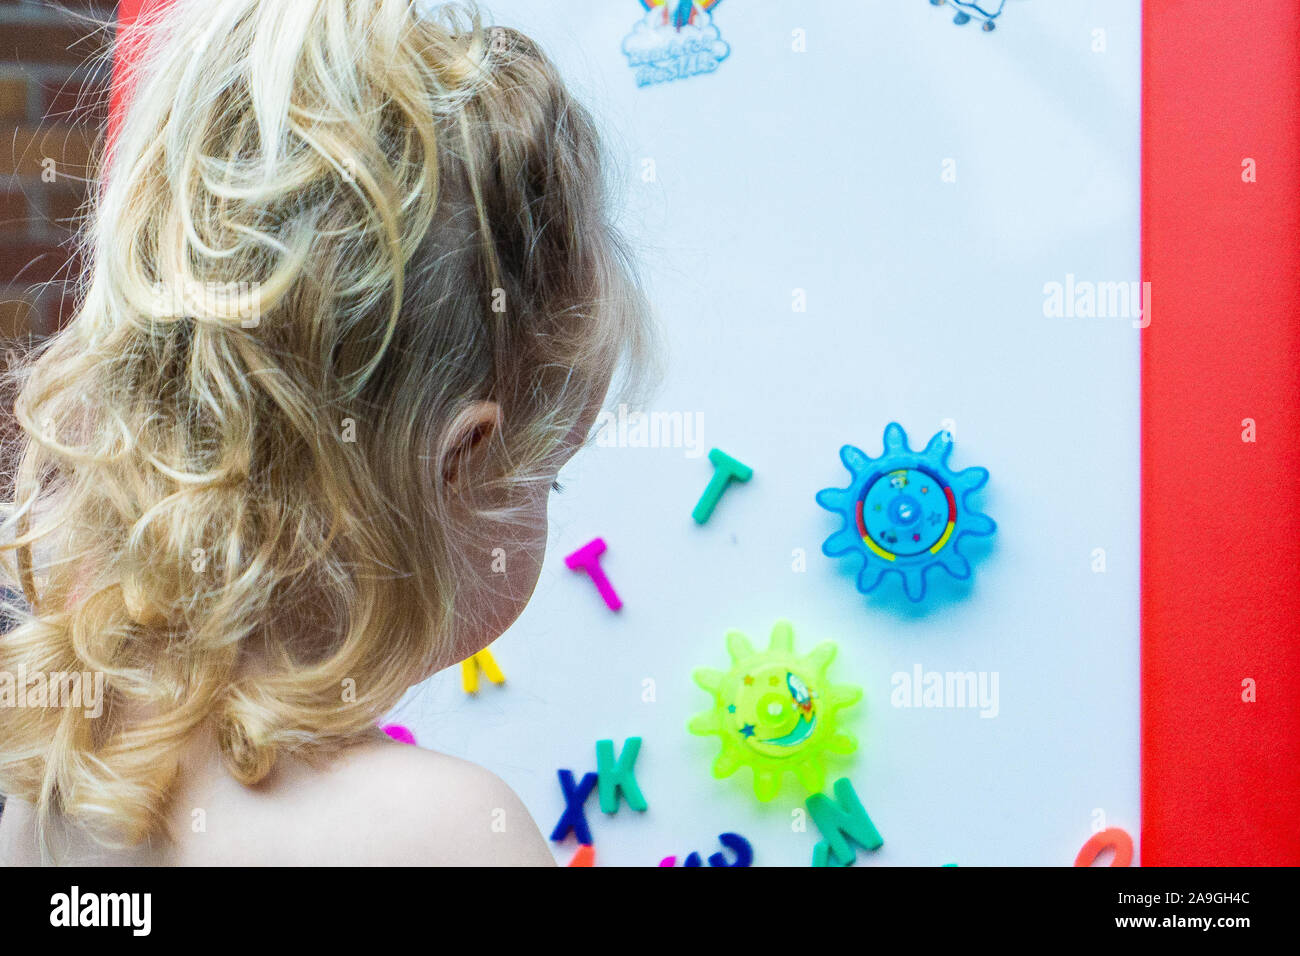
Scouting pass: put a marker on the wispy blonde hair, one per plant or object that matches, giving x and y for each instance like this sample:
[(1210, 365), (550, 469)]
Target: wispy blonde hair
[(328, 228)]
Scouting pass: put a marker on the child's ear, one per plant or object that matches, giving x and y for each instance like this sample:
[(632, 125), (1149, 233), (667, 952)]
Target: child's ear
[(468, 436)]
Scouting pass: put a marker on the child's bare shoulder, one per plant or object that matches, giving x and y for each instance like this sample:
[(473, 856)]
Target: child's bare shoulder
[(15, 824), (394, 804), (379, 804)]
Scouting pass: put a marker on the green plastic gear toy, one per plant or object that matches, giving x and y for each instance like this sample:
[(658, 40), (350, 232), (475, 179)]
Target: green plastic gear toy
[(775, 711)]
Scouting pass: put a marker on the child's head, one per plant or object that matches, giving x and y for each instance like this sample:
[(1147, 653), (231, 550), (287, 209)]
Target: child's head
[(353, 298)]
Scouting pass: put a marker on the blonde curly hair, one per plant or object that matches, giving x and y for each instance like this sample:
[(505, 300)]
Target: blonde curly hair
[(328, 228)]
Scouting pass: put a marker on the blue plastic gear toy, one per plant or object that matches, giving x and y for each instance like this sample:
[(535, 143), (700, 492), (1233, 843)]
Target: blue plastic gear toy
[(905, 512)]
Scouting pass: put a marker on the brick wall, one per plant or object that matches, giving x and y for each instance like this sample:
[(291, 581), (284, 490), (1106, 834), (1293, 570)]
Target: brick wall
[(54, 77)]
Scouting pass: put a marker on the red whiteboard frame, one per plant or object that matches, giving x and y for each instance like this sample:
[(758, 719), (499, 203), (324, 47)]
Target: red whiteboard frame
[(1220, 516)]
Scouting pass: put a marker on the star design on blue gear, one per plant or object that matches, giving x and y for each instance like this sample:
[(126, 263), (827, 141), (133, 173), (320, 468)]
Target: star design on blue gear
[(905, 512)]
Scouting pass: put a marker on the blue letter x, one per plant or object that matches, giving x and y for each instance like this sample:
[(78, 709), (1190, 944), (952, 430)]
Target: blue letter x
[(574, 820)]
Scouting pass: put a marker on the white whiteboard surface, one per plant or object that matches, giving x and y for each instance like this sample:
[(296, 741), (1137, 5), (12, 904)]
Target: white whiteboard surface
[(822, 171)]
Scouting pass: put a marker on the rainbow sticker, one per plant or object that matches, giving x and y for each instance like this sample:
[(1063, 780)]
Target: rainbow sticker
[(675, 39), (906, 512)]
